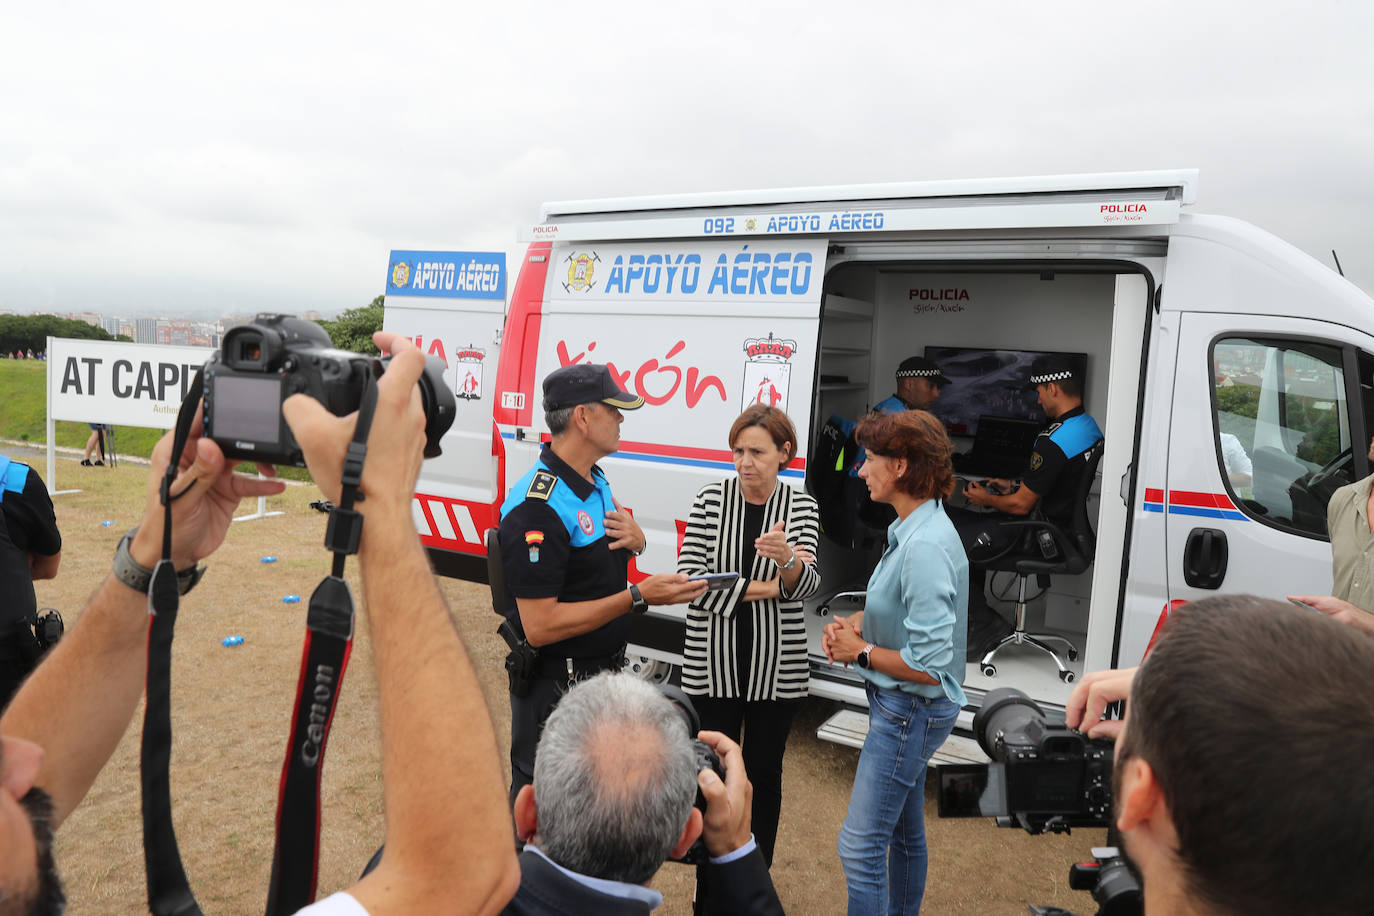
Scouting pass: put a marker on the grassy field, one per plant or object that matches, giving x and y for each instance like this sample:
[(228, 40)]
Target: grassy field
[(24, 413)]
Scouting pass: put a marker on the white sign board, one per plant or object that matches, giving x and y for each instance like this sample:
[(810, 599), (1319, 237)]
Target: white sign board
[(123, 384)]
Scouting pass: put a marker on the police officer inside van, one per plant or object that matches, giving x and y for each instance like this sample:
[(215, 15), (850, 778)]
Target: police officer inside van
[(566, 545), (918, 385), (1056, 464)]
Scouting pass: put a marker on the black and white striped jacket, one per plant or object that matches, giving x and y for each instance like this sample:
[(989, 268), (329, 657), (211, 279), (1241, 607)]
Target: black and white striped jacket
[(778, 663)]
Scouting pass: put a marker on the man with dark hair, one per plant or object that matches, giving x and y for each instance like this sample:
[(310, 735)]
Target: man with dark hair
[(918, 386), (448, 826), (1232, 798), (1056, 465), (566, 545), (30, 548), (614, 784)]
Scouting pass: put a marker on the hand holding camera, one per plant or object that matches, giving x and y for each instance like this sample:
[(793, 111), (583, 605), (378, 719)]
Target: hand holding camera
[(729, 803)]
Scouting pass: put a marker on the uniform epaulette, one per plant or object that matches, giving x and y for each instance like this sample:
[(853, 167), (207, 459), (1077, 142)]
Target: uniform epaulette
[(542, 485)]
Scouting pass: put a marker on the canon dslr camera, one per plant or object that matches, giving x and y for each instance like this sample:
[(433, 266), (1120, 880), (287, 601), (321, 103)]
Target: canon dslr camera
[(262, 364), (1044, 778), (706, 758)]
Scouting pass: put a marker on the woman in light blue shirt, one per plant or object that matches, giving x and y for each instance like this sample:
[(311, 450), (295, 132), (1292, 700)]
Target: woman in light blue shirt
[(908, 645)]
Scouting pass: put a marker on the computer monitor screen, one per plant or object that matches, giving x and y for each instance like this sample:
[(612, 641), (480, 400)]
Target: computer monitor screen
[(988, 381)]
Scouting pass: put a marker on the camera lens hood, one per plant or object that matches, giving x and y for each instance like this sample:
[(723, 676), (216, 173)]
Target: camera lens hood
[(1004, 709)]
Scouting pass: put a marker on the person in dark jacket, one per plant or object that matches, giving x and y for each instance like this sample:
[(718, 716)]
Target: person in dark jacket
[(615, 777)]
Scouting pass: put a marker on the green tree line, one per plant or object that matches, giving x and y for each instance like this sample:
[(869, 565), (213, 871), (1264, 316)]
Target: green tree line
[(31, 332), (352, 330)]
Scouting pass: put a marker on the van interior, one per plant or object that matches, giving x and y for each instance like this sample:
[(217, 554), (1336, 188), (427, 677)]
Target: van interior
[(983, 325)]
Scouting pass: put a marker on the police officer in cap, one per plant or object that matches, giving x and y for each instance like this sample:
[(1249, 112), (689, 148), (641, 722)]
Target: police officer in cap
[(1056, 464), (918, 385), (566, 545)]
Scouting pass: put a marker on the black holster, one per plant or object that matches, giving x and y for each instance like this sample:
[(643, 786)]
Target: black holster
[(521, 662)]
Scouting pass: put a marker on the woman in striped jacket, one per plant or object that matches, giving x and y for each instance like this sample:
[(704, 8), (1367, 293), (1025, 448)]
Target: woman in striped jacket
[(745, 659)]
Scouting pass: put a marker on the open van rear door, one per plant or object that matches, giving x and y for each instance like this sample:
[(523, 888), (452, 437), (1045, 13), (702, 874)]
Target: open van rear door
[(451, 304)]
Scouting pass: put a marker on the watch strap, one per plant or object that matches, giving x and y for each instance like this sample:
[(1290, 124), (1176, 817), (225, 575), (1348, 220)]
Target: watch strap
[(139, 577), (637, 602), (865, 658), (792, 561)]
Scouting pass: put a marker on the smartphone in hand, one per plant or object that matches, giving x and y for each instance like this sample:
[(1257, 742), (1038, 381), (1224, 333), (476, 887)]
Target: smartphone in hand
[(716, 581)]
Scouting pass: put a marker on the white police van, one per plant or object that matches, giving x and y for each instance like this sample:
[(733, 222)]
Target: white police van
[(1201, 334)]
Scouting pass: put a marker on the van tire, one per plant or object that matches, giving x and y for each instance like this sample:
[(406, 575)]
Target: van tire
[(651, 670)]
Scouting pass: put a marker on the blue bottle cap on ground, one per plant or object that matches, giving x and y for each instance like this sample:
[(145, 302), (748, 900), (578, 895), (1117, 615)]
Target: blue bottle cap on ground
[(269, 559), (291, 599), (107, 523), (231, 641)]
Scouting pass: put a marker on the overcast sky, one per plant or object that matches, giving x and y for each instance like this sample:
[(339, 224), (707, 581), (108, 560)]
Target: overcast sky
[(165, 158)]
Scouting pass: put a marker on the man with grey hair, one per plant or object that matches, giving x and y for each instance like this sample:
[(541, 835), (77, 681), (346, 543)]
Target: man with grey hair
[(566, 545), (615, 779)]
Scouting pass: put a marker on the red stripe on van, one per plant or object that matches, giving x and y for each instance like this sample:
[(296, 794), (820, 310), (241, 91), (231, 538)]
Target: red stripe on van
[(520, 340), (1154, 496), (1200, 500), (684, 451)]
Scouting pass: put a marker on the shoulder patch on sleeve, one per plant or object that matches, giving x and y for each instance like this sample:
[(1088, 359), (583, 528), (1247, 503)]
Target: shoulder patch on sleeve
[(542, 485), (1036, 460)]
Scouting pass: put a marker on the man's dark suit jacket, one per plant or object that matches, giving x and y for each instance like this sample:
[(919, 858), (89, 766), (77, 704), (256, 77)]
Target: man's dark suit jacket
[(741, 886)]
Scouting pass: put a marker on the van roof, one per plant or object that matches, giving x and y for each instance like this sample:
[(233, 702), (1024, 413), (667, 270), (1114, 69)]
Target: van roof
[(1177, 184), (1112, 199)]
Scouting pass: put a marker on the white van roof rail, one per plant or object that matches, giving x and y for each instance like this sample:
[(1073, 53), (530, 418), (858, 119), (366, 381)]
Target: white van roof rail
[(1140, 198), (1179, 184)]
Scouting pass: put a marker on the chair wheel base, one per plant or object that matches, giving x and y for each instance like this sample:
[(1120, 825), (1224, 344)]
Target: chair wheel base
[(989, 670), (1067, 676)]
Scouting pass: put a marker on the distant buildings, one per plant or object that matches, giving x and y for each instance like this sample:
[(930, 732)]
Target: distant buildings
[(179, 332)]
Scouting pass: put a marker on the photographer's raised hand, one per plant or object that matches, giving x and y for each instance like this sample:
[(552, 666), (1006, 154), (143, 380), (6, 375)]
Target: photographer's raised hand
[(1090, 699), (395, 443), (449, 838), (211, 491)]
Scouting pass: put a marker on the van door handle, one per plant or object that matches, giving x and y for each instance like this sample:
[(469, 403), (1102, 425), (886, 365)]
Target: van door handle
[(1204, 558)]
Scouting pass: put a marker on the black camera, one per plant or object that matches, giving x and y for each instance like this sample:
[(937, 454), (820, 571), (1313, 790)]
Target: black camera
[(706, 757), (261, 364), (1044, 778)]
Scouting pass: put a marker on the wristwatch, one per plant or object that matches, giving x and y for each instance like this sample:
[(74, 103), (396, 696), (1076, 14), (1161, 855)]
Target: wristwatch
[(637, 603), (864, 661), (792, 561), (138, 577)]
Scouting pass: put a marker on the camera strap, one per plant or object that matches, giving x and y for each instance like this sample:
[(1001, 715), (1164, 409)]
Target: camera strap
[(169, 891), (328, 643), (324, 657)]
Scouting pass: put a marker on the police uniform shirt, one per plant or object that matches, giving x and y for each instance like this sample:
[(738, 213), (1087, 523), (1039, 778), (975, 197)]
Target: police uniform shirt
[(554, 545), (27, 525), (893, 404), (1057, 460)]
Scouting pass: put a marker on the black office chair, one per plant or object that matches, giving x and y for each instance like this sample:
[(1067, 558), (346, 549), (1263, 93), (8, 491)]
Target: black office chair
[(1072, 553)]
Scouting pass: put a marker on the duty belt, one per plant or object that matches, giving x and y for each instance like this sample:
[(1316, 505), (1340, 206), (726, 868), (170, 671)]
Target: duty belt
[(577, 669)]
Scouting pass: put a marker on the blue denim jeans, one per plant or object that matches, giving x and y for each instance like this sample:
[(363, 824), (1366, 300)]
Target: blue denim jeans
[(883, 841)]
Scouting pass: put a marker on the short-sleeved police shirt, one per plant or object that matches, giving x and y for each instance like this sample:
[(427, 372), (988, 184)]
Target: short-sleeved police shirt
[(554, 545), (1057, 461), (28, 525)]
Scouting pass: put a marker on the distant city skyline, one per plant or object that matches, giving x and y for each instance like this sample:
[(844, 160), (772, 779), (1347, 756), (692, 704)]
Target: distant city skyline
[(158, 329)]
